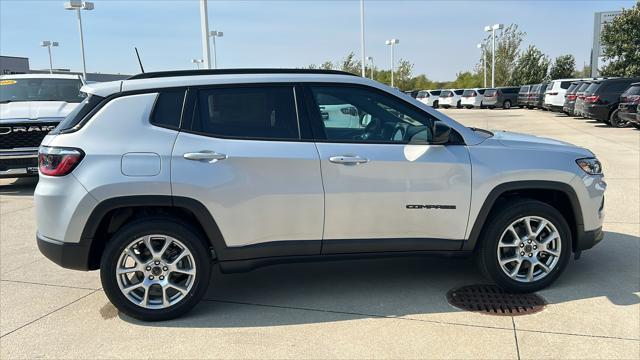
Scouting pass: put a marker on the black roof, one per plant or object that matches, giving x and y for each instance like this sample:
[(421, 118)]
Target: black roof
[(161, 74)]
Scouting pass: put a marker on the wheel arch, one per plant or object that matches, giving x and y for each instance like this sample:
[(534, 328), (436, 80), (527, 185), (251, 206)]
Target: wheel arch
[(111, 214), (557, 194)]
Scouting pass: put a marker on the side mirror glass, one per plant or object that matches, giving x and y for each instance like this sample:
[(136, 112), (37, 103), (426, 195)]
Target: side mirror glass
[(441, 132)]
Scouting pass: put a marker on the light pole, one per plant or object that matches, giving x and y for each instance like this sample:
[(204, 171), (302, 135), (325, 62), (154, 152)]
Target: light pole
[(204, 28), (214, 34), (80, 5), (197, 62), (484, 63), (362, 55), (370, 59), (493, 29), (392, 43), (48, 44)]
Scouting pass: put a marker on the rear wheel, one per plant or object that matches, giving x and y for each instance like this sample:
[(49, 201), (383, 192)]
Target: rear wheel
[(525, 246), (506, 104), (459, 105), (155, 269), (615, 120), (435, 104)]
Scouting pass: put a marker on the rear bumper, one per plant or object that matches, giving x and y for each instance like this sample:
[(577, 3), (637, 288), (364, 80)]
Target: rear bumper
[(598, 112), (68, 255), (18, 162)]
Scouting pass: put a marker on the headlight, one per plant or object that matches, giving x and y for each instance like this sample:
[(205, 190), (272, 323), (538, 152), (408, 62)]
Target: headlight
[(590, 165)]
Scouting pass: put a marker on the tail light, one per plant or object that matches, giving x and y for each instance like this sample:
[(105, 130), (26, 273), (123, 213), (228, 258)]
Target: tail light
[(633, 99), (571, 97), (591, 99), (58, 161)]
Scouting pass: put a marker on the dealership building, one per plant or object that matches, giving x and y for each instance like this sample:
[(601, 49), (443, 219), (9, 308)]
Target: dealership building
[(20, 65)]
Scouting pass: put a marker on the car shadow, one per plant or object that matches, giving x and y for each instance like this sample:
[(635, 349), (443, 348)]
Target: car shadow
[(344, 290), (18, 186)]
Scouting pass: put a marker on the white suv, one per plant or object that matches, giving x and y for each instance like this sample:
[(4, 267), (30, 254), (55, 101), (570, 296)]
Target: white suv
[(157, 177), (451, 98), (429, 97), (472, 98), (554, 95)]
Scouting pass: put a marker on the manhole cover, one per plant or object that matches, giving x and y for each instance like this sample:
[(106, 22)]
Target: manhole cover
[(491, 299)]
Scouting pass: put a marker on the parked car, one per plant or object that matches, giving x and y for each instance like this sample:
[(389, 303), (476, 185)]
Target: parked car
[(523, 95), (580, 94), (181, 170), (539, 98), (555, 94), (429, 97), (450, 98), (30, 106), (472, 98), (502, 97), (603, 97), (629, 102), (531, 96), (570, 98), (412, 93)]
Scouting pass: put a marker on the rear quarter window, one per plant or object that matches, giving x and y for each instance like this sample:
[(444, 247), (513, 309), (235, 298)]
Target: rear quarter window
[(167, 111), (74, 118), (565, 84)]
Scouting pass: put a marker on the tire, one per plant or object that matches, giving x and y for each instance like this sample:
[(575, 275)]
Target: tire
[(459, 105), (435, 104), (506, 105), (445, 106), (186, 295), (497, 228), (615, 121)]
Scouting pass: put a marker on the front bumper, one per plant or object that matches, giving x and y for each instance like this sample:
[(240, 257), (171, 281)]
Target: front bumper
[(68, 255), (588, 239), (18, 162)]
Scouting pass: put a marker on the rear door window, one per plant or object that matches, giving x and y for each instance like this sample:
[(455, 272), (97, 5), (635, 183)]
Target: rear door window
[(263, 113), (617, 86)]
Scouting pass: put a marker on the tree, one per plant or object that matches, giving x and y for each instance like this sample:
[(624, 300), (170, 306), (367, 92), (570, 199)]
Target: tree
[(531, 67), (350, 64), (563, 67), (508, 43), (584, 73), (466, 80), (327, 65), (620, 40)]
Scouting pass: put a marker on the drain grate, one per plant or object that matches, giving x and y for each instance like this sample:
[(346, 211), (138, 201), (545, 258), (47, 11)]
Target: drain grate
[(490, 299)]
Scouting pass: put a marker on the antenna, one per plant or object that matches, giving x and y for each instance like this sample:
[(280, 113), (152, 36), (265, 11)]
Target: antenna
[(139, 61)]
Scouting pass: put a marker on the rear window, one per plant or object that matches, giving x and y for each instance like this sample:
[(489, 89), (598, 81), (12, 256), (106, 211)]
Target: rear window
[(80, 112), (592, 88), (583, 87), (459, 92), (524, 89), (435, 92), (572, 89), (633, 90), (168, 109), (446, 93), (267, 112), (422, 94), (481, 91), (490, 92), (469, 93), (565, 84)]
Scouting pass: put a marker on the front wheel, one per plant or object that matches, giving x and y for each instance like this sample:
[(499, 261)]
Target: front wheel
[(525, 246), (435, 104), (155, 269), (506, 104)]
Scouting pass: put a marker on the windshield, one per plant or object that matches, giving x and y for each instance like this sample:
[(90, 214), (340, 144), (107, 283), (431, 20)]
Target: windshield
[(38, 89)]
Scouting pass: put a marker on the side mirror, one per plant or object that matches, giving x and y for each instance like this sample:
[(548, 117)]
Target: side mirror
[(441, 132)]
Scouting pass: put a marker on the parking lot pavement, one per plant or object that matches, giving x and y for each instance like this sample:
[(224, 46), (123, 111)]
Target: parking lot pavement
[(394, 308)]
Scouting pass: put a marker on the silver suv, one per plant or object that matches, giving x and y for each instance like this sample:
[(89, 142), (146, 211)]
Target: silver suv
[(155, 178)]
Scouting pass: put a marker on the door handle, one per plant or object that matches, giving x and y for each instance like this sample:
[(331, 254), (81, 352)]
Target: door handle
[(204, 155), (348, 159)]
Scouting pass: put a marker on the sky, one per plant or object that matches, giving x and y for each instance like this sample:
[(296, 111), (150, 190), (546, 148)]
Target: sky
[(438, 37)]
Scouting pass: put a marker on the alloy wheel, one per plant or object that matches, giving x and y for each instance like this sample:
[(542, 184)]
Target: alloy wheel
[(155, 271), (529, 249)]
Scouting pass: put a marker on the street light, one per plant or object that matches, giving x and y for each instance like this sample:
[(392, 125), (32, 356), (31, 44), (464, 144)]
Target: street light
[(484, 62), (214, 34), (197, 62), (80, 5), (493, 29), (370, 59), (392, 43), (362, 55), (48, 44)]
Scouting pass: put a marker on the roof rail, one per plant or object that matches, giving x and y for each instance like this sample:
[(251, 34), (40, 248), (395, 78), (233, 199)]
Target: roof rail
[(161, 74)]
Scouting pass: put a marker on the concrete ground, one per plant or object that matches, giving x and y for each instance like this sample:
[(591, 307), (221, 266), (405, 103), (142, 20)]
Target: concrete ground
[(360, 309)]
